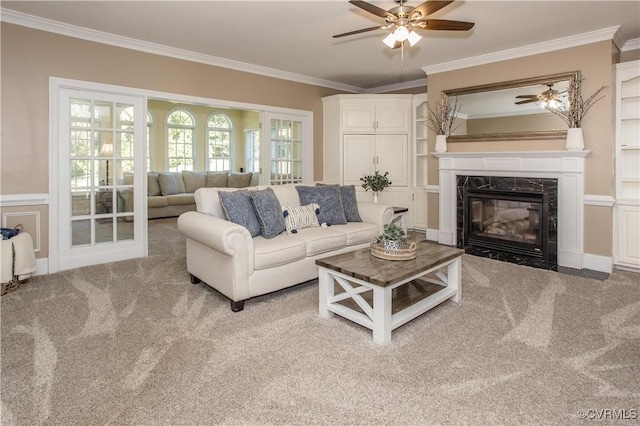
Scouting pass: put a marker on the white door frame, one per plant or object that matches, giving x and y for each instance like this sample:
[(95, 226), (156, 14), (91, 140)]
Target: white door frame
[(60, 257)]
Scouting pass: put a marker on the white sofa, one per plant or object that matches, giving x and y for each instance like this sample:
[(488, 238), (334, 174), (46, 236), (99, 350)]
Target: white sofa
[(225, 256)]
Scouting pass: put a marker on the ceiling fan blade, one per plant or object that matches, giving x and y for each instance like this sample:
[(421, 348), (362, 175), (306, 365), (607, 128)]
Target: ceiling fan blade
[(527, 101), (371, 8), (443, 25), (429, 7), (364, 30), (527, 96)]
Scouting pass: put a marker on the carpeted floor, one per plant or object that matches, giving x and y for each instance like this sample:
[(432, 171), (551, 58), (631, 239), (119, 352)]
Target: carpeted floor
[(134, 343)]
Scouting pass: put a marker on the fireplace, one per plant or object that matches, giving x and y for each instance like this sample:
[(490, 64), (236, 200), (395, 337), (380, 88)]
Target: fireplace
[(565, 169), (510, 219)]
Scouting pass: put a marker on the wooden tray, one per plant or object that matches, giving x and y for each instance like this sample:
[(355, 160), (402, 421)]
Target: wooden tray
[(406, 252)]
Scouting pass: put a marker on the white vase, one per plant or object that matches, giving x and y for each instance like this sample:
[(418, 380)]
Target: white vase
[(375, 196), (575, 139), (441, 143)]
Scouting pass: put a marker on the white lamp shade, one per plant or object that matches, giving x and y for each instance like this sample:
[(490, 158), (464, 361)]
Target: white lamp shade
[(106, 150), (390, 40), (401, 33), (413, 38)]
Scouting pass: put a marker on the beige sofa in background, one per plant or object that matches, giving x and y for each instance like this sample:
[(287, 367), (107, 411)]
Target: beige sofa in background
[(172, 193)]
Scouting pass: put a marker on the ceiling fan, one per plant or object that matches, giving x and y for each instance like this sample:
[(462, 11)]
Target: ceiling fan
[(403, 20), (549, 97)]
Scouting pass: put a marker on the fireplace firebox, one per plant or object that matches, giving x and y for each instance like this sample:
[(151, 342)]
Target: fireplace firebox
[(509, 219)]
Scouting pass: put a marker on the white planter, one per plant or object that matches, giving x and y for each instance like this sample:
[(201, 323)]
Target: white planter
[(575, 139), (441, 143), (375, 197)]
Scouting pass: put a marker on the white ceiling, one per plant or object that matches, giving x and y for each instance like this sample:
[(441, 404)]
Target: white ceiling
[(294, 37)]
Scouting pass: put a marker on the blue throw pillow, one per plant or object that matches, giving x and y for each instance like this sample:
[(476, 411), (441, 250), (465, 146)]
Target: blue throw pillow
[(269, 212), (328, 198), (238, 208), (349, 201)]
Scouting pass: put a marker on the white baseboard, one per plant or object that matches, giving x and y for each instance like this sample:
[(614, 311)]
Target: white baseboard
[(42, 266), (597, 263), (432, 234)]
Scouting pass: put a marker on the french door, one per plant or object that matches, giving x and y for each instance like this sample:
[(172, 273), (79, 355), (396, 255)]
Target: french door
[(290, 149), (100, 212)]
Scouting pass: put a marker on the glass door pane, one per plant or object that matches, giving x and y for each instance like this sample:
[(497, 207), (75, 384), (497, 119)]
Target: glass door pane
[(286, 151)]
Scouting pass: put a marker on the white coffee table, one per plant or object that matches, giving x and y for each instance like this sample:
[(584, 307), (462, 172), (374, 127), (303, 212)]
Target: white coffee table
[(383, 294)]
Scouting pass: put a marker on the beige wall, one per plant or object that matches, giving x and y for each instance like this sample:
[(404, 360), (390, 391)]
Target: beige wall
[(29, 57), (595, 61)]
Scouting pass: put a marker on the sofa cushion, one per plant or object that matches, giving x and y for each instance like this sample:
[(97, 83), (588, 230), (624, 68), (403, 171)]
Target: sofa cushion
[(157, 201), (208, 201), (349, 202), (239, 180), (180, 199), (238, 208), (153, 186), (300, 217), (321, 240), (287, 195), (269, 212), (193, 180), (280, 250), (358, 232), (329, 200), (217, 179), (168, 184)]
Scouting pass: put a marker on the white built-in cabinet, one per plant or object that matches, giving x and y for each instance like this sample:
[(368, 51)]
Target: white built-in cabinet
[(366, 154), (627, 206), (365, 133)]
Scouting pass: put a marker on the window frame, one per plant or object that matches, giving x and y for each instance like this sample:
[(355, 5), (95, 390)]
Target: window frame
[(171, 126), (230, 131)]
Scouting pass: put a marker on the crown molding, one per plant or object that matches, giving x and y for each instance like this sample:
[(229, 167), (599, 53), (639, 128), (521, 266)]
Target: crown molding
[(48, 25), (633, 44), (398, 86), (520, 52)]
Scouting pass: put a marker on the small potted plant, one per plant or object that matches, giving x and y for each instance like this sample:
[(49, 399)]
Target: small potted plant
[(393, 236), (376, 183)]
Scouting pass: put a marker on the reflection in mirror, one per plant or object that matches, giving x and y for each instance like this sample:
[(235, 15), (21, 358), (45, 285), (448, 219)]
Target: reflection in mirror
[(511, 110)]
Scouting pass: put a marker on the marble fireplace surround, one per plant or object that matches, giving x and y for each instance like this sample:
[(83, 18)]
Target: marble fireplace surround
[(566, 166)]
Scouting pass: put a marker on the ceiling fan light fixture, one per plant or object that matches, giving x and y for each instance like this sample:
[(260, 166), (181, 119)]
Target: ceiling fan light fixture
[(413, 38), (401, 33), (390, 40)]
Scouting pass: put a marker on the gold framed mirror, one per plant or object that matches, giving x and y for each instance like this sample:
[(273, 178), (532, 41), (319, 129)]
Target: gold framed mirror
[(511, 110)]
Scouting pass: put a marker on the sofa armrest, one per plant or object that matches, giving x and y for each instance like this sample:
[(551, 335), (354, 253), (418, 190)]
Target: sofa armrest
[(378, 214), (221, 235)]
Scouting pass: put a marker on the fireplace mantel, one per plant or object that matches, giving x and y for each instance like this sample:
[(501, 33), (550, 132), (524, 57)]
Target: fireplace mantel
[(566, 166)]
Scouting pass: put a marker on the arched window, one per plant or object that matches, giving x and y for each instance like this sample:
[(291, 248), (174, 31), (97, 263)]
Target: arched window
[(180, 130), (219, 129)]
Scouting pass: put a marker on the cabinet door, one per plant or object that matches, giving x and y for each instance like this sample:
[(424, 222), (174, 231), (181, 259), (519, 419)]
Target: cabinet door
[(628, 241), (358, 118), (393, 118), (418, 210), (358, 157), (392, 155)]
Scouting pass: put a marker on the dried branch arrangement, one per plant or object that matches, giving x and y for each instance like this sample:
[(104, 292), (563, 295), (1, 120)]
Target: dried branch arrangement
[(441, 118), (576, 108)]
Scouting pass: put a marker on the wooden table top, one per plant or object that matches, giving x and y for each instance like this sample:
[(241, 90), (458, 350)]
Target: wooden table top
[(361, 264)]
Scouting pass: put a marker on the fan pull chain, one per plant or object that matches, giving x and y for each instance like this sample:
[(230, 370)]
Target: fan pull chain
[(402, 54)]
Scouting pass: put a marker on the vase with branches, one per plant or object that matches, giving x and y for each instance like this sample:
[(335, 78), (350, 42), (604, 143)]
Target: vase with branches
[(574, 111), (441, 119)]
